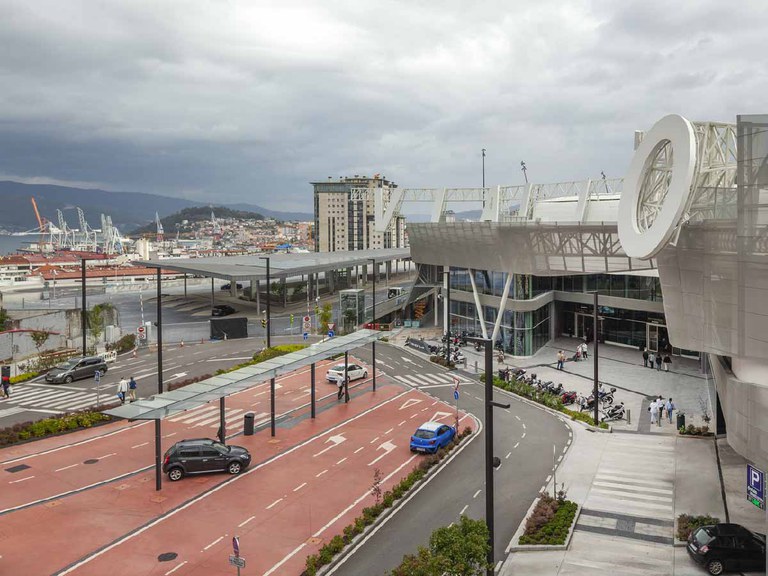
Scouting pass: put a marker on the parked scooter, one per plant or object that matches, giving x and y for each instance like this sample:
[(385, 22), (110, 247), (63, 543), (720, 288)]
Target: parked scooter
[(569, 397), (606, 398), (616, 412)]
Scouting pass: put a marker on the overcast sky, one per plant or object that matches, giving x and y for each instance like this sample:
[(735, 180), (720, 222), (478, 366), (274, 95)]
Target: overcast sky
[(248, 101)]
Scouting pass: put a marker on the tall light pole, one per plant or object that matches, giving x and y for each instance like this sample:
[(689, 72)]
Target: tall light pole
[(524, 168), (269, 345), (483, 177), (447, 274), (595, 373), (373, 344), (84, 311)]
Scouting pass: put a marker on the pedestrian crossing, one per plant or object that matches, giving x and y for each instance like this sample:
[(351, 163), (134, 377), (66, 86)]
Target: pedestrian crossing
[(54, 399), (430, 379), (208, 417)]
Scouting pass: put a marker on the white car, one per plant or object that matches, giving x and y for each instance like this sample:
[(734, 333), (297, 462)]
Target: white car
[(355, 372)]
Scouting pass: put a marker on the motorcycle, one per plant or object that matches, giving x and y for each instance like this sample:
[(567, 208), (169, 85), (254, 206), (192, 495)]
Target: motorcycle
[(606, 398), (586, 403), (616, 412), (569, 397)]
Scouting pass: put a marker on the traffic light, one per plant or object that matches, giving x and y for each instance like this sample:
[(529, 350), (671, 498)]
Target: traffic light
[(291, 318), (263, 322)]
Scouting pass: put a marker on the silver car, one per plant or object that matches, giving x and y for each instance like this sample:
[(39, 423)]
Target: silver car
[(76, 369)]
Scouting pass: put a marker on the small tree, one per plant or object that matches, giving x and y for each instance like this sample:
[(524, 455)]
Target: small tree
[(461, 549), (376, 486), (4, 319), (423, 563), (325, 317), (39, 337)]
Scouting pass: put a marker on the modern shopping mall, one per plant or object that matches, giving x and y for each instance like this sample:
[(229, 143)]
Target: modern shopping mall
[(677, 252)]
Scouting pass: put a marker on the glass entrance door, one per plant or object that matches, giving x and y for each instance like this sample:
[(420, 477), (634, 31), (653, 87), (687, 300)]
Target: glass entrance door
[(657, 337), (584, 324)]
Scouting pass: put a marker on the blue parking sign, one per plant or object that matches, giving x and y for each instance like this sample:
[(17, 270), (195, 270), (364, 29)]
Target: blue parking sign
[(331, 333), (756, 486)]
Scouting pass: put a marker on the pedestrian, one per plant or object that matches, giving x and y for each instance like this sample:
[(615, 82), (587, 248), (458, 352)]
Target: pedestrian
[(584, 351), (560, 360), (667, 362), (670, 406), (122, 389), (6, 386), (651, 359), (132, 389), (645, 358), (340, 385), (654, 410), (658, 361), (660, 404)]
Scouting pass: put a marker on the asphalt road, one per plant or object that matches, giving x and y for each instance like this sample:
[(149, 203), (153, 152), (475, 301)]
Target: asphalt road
[(524, 437)]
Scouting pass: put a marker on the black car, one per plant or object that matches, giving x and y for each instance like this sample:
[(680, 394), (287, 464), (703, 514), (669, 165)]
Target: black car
[(222, 310), (727, 547), (76, 369), (204, 455), (228, 286)]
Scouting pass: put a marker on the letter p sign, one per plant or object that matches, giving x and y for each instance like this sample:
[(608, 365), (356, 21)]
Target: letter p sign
[(756, 486)]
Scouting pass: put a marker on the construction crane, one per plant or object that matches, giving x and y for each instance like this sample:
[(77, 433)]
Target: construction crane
[(42, 225), (160, 231)]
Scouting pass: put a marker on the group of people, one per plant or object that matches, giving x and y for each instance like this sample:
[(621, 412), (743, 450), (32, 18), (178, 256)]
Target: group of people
[(657, 408), (582, 353), (657, 360), (126, 389)]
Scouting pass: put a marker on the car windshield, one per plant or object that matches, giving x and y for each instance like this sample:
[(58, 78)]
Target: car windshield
[(338, 368), (221, 447), (702, 537), (67, 365), (425, 434)]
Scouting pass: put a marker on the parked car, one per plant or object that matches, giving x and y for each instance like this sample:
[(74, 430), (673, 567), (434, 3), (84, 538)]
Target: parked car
[(431, 436), (355, 372), (228, 286), (76, 369), (727, 547), (204, 455), (222, 310)]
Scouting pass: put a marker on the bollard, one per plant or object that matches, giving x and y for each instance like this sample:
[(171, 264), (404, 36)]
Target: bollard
[(182, 344), (475, 366), (629, 416)]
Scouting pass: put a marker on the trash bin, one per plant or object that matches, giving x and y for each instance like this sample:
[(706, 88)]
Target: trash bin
[(680, 420), (248, 424)]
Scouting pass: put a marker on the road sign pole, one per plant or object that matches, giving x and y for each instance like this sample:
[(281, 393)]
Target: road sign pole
[(97, 376)]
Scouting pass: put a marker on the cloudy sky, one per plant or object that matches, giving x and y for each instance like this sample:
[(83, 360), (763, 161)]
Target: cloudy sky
[(248, 101)]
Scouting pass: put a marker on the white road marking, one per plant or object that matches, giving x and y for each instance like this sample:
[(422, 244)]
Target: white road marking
[(275, 503), (476, 494), (463, 509), (20, 480), (516, 445), (359, 449), (374, 440), (219, 539), (342, 460), (516, 416), (548, 478), (172, 570), (300, 486), (67, 467), (523, 425), (401, 423), (388, 431), (321, 473), (245, 522), (106, 456), (508, 455), (523, 436)]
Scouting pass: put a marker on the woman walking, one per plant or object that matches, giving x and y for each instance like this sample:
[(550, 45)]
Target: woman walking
[(667, 362)]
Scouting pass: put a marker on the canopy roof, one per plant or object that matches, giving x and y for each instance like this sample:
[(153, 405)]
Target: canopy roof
[(254, 267), (200, 393)]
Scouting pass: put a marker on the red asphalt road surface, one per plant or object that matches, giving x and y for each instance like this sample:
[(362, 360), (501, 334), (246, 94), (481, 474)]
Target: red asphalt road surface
[(283, 509), (57, 464)]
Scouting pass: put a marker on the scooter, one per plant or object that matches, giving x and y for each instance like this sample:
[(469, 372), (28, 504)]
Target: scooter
[(606, 398), (569, 397), (616, 412)]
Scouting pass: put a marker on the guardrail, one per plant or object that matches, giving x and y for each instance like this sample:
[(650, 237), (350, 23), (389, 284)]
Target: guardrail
[(109, 356)]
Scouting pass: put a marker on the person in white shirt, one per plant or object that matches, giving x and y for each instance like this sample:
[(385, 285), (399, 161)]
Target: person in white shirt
[(654, 408), (122, 389)]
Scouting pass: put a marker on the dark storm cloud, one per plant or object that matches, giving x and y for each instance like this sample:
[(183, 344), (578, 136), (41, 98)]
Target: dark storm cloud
[(248, 101)]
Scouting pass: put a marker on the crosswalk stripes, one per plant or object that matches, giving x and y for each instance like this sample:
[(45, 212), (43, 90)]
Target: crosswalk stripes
[(208, 416), (428, 379), (52, 398), (635, 477)]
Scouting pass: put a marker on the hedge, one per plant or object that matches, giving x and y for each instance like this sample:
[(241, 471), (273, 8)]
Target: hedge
[(687, 524), (50, 426), (125, 344), (552, 401), (550, 521), (24, 377), (369, 515)]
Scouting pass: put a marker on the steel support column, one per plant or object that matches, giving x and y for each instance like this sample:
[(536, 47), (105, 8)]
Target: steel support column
[(272, 406), (159, 334), (373, 344), (222, 421), (489, 518), (269, 315), (502, 305), (213, 294), (478, 307), (346, 377), (595, 355), (312, 388), (158, 456), (185, 286), (84, 309)]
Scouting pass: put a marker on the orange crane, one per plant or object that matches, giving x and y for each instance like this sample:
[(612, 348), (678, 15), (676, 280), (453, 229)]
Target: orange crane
[(41, 223)]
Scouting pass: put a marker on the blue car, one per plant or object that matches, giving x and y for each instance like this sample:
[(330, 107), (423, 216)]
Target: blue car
[(432, 436)]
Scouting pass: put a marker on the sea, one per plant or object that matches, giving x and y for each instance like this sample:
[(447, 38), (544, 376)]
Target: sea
[(12, 244)]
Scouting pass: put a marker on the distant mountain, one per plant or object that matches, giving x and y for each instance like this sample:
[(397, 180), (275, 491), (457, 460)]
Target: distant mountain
[(129, 210), (276, 214), (198, 214)]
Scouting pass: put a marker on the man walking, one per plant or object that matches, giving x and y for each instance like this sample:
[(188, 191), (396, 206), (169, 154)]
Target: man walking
[(651, 358), (560, 360), (670, 407), (584, 351), (645, 358), (132, 389), (6, 386), (122, 389), (658, 362), (660, 404), (654, 408), (340, 385)]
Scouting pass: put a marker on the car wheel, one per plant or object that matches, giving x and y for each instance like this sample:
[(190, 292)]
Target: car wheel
[(68, 380), (365, 374), (175, 474), (715, 567), (234, 468)]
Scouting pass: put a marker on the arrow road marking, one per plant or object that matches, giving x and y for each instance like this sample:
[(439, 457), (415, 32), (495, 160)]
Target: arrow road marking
[(336, 440), (408, 403), (407, 360), (387, 446), (179, 375)]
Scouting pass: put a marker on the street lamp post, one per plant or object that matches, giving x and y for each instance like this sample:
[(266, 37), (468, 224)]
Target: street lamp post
[(447, 274), (483, 177), (269, 345), (373, 344), (595, 392), (84, 310), (491, 462)]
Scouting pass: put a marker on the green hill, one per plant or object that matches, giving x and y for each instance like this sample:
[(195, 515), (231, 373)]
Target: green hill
[(198, 214)]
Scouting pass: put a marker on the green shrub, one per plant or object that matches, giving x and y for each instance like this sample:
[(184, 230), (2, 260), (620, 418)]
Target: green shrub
[(125, 344), (24, 377), (264, 355), (687, 524), (49, 426), (550, 521)]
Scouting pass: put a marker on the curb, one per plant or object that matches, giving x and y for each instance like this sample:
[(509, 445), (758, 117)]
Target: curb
[(541, 547), (370, 530)]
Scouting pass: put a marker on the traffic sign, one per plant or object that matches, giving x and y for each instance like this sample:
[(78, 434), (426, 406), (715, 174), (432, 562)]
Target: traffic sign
[(236, 545), (331, 326), (141, 331), (756, 486), (305, 335), (455, 394), (331, 333), (97, 376), (306, 319), (238, 561)]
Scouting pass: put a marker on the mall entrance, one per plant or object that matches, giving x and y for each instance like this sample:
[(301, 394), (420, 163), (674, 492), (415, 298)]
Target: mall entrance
[(657, 337)]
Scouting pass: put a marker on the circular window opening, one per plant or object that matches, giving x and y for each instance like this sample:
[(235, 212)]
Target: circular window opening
[(654, 185)]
